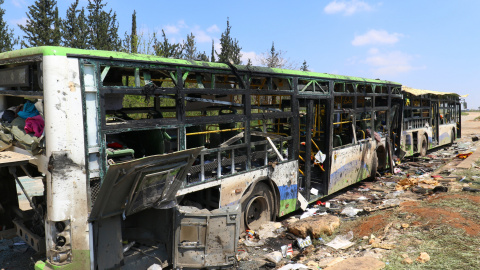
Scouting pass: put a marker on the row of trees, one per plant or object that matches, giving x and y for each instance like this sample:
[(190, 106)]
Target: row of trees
[(95, 27)]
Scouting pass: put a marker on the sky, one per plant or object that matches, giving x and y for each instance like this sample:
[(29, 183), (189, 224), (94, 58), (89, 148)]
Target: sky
[(425, 44)]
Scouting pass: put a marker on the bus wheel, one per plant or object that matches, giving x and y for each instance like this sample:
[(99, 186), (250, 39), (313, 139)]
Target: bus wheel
[(452, 138), (258, 207), (424, 146)]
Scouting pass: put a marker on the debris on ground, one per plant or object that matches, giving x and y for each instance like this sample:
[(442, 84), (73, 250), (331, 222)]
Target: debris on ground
[(423, 258), (394, 207), (316, 226), (341, 241), (358, 263)]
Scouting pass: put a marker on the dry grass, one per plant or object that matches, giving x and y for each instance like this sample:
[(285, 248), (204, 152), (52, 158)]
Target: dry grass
[(449, 245)]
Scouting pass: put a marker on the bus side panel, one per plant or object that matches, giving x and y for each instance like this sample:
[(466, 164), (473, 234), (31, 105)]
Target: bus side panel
[(351, 164), (233, 188), (284, 176), (406, 143), (445, 132), (407, 140)]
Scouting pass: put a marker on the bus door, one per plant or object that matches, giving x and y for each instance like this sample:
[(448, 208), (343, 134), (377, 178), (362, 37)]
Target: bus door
[(313, 148)]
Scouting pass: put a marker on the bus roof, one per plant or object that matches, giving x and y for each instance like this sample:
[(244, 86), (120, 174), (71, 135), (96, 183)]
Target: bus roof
[(64, 51), (419, 92)]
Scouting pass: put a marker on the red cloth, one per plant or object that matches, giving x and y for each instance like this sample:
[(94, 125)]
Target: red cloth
[(35, 124)]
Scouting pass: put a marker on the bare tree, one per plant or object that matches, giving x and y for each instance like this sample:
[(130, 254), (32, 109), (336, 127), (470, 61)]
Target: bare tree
[(276, 59)]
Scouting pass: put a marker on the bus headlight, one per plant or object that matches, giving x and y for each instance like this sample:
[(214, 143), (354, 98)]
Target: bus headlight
[(61, 247)]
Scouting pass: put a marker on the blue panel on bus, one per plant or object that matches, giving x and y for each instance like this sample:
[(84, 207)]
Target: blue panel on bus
[(288, 192)]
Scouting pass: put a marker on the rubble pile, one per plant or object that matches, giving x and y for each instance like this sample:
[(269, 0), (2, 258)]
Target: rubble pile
[(311, 240)]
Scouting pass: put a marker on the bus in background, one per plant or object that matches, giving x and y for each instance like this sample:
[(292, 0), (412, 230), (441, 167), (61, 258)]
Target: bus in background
[(430, 119), (143, 158)]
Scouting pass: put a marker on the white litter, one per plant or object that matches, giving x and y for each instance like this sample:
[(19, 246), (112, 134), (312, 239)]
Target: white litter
[(293, 266), (341, 241)]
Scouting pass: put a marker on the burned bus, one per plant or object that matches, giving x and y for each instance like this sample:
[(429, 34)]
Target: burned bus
[(430, 119), (154, 160)]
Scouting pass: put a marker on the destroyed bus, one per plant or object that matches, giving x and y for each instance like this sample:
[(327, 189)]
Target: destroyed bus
[(154, 160), (430, 119)]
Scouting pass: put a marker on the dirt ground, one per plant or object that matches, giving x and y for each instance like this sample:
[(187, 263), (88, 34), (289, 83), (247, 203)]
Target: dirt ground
[(434, 217)]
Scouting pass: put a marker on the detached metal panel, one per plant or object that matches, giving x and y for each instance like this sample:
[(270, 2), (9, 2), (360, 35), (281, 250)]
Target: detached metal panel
[(204, 238)]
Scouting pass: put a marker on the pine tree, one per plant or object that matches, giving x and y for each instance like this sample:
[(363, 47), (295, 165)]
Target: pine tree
[(74, 28), (43, 24), (134, 37), (131, 42), (212, 57), (190, 48), (7, 40), (103, 27), (230, 51), (304, 66), (273, 59), (167, 49)]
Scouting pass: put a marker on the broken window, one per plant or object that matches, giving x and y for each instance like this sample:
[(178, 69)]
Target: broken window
[(342, 129), (312, 86), (339, 88), (379, 89), (364, 102), (227, 81), (213, 105), (363, 125), (121, 108), (137, 77), (197, 80), (380, 122)]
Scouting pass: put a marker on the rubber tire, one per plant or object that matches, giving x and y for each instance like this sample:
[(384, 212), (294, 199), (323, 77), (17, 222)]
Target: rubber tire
[(424, 146), (258, 208), (452, 138)]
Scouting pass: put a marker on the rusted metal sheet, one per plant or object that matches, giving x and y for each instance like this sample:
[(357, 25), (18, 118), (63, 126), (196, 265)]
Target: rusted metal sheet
[(139, 184), (206, 238)]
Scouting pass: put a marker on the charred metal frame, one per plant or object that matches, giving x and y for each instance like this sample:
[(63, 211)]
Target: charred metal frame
[(311, 89), (423, 111)]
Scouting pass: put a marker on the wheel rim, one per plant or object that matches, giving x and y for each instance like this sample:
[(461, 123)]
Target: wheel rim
[(257, 212)]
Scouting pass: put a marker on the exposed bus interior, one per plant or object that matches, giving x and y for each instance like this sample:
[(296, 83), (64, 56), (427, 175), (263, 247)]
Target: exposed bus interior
[(22, 144), (430, 119), (157, 111), (146, 114), (313, 147)]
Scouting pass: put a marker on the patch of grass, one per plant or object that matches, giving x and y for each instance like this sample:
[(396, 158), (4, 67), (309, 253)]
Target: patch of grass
[(465, 113), (472, 175), (449, 248), (477, 118), (465, 207)]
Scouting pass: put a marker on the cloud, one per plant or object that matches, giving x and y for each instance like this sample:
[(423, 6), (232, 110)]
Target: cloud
[(21, 21), (182, 24), (200, 35), (19, 3), (213, 29), (175, 29), (171, 29), (390, 63), (347, 7), (376, 37), (253, 56)]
